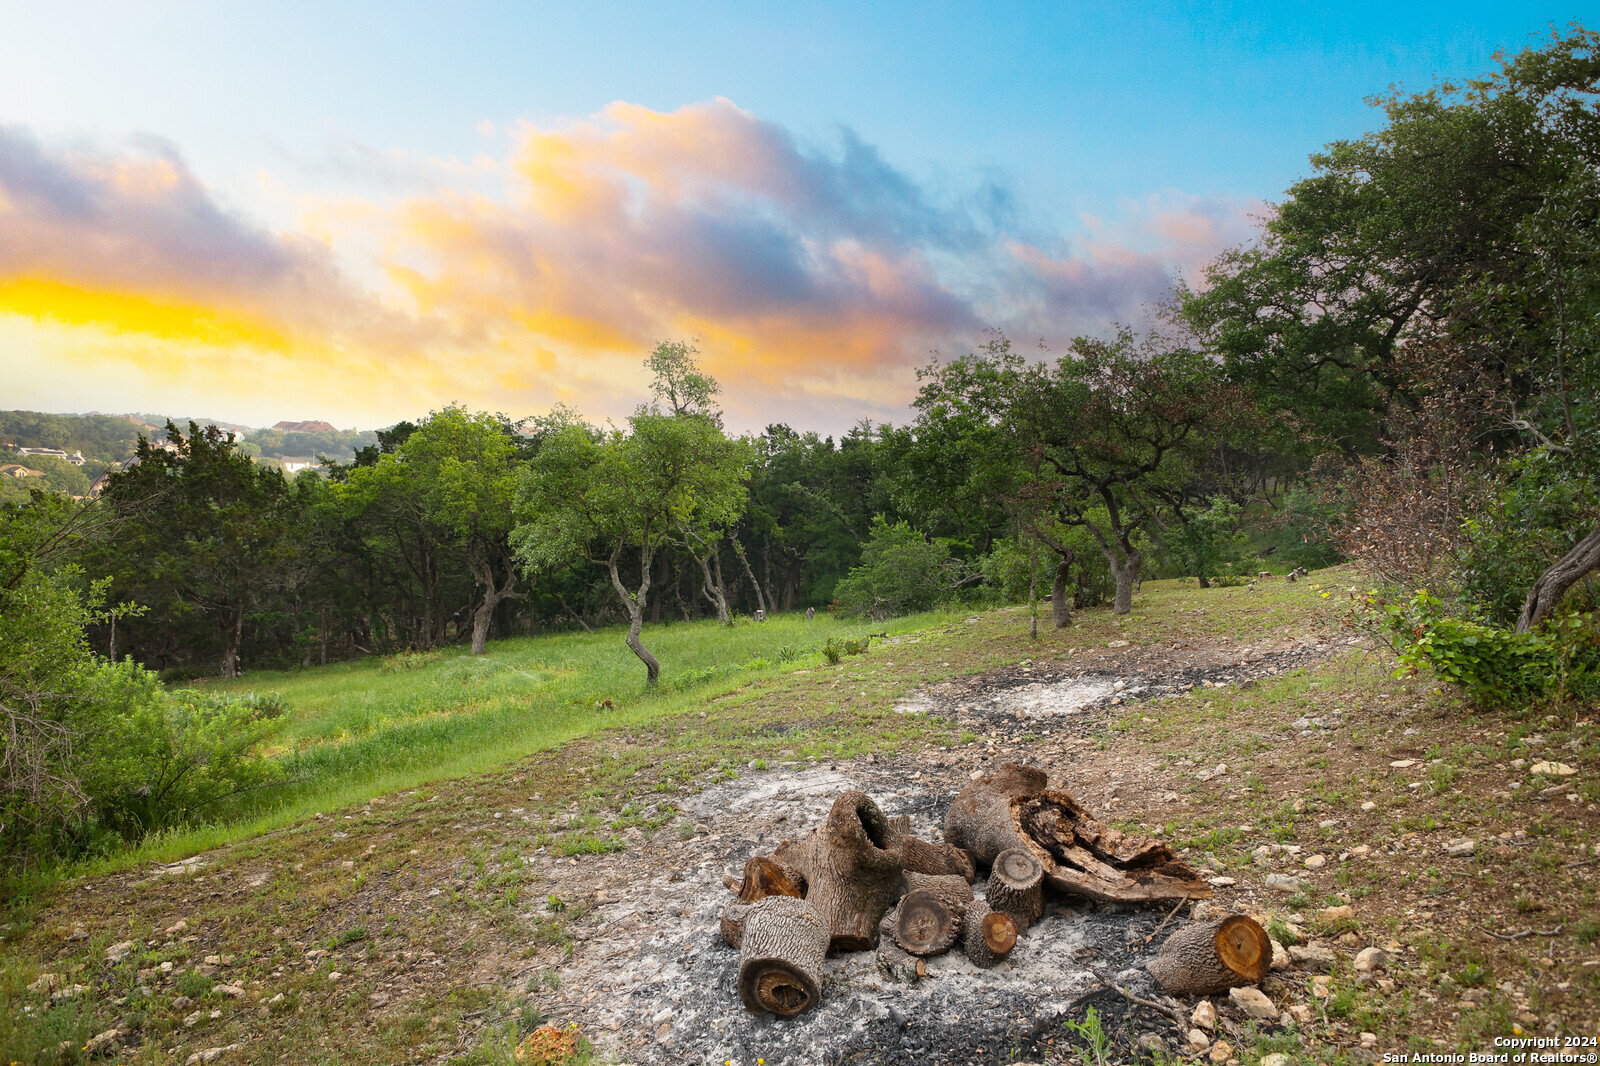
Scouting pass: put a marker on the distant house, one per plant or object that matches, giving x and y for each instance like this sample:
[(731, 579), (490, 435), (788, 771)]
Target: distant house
[(98, 485), (294, 466), (305, 427), (18, 471), (75, 458)]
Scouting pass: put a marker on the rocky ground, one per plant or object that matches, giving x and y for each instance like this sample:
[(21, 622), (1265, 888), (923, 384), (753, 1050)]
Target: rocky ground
[(1427, 871)]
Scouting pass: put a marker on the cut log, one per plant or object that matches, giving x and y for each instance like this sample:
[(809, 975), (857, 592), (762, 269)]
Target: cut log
[(853, 864), (762, 878), (732, 923), (924, 925), (1081, 857), (951, 889), (980, 820), (1206, 958), (1016, 887), (987, 936), (780, 959), (894, 960), (925, 857)]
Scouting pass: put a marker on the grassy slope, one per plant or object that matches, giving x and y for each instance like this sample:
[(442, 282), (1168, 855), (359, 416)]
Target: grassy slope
[(267, 901)]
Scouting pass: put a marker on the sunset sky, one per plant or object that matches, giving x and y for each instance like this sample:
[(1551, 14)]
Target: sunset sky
[(361, 212)]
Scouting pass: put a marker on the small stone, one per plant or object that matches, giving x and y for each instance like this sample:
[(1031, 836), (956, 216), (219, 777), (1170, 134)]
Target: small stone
[(1555, 769), (1360, 851), (1460, 848), (334, 977), (118, 951), (102, 1040), (1280, 956), (1313, 957), (1204, 1015), (179, 926), (235, 991), (1342, 913), (1369, 806), (1300, 1013), (1221, 1051), (1275, 1059), (975, 775), (1283, 883), (210, 1054), (1198, 1040), (1402, 764), (1321, 987), (181, 1002), (1316, 862), (1369, 1039), (47, 982), (378, 999), (192, 1020), (1370, 959), (1254, 1003), (279, 998)]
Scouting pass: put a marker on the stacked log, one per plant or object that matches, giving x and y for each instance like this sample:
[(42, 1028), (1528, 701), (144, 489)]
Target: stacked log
[(780, 957), (1207, 958), (987, 936), (1016, 887)]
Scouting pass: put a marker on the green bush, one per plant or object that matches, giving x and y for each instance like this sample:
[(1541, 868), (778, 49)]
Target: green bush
[(901, 571), (1208, 544), (1493, 665), (1301, 530)]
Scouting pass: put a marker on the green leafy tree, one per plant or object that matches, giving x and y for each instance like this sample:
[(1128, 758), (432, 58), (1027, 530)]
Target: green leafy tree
[(618, 498), (1206, 543), (901, 571)]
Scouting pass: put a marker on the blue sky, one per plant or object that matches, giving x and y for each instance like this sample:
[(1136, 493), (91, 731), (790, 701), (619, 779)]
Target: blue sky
[(1062, 142)]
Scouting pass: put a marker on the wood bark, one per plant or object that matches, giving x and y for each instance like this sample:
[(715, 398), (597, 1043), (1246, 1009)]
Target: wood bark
[(1205, 958), (987, 936), (923, 925), (780, 956), (790, 857), (951, 889), (925, 857), (979, 819), (853, 863), (1567, 571), (1060, 604), (1016, 887), (895, 960), (762, 878), (1013, 808)]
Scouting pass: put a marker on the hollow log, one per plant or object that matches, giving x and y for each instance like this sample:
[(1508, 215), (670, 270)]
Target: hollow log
[(979, 820), (853, 864), (790, 857), (780, 958), (925, 857), (1206, 958), (1081, 857), (951, 889), (1016, 887), (923, 925), (762, 878), (987, 936)]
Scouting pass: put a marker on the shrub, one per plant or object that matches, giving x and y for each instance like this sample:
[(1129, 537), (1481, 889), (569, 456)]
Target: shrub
[(1208, 544), (901, 571)]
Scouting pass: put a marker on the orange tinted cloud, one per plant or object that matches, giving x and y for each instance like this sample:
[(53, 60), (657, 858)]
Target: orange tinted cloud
[(816, 278)]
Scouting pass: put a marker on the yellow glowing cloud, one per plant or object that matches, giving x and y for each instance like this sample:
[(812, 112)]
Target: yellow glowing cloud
[(46, 300)]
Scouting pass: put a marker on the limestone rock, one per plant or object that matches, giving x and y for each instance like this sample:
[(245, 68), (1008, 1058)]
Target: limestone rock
[(1204, 1015), (1369, 959), (1254, 1003)]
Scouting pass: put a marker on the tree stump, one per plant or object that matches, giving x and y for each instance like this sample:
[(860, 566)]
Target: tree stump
[(925, 857), (853, 864), (980, 818), (1205, 958), (987, 936), (1016, 887), (923, 925), (780, 958), (951, 889)]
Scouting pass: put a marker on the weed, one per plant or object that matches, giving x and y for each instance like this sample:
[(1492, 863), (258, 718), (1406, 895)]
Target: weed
[(1097, 1043)]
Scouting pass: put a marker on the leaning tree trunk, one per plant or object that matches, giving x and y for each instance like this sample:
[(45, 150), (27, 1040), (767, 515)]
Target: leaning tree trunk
[(1016, 887), (1571, 568), (635, 602), (987, 936), (1206, 958), (230, 654), (761, 599), (1127, 576), (853, 864), (493, 596), (780, 956)]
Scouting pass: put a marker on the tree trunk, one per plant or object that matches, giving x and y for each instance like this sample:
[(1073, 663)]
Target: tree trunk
[(853, 865), (1567, 571), (1060, 604), (951, 889), (924, 857), (493, 596), (661, 582), (634, 602), (230, 654), (987, 936), (1014, 809), (1016, 887), (780, 956), (738, 549), (713, 590), (763, 877), (1206, 958), (1127, 577), (894, 959), (924, 925)]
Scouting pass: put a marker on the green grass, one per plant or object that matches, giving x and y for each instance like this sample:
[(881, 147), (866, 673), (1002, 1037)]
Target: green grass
[(365, 728)]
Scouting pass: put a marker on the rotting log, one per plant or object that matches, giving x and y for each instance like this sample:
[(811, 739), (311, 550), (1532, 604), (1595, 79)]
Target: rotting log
[(731, 924), (1015, 808), (762, 878), (1206, 958), (926, 857), (1081, 857), (1016, 887), (979, 819), (987, 936), (924, 925), (853, 865), (780, 958), (790, 857)]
